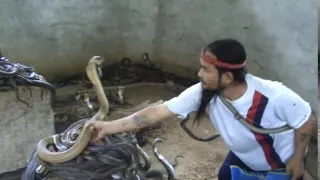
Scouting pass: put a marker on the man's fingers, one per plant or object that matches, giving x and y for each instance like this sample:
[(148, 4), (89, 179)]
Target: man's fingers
[(96, 132), (294, 177), (96, 136), (288, 170), (91, 127), (94, 139), (99, 142)]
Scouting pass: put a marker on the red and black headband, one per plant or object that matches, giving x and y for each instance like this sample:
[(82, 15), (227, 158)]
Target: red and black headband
[(219, 63)]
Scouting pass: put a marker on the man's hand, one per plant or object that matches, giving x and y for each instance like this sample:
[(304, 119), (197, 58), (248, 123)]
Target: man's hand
[(98, 129), (303, 135), (295, 167)]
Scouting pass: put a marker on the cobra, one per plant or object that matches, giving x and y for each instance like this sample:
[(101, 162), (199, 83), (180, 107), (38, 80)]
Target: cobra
[(76, 147)]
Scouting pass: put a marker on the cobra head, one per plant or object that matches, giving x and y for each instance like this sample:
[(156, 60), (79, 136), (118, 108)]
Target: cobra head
[(98, 60)]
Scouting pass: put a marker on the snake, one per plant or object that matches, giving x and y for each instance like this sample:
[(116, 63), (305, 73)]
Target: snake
[(118, 159), (18, 74), (120, 156), (77, 146), (166, 164)]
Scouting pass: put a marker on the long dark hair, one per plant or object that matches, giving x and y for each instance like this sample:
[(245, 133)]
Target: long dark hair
[(229, 51)]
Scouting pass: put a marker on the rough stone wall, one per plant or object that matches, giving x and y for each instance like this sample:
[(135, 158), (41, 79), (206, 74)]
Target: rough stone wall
[(58, 37), (21, 127)]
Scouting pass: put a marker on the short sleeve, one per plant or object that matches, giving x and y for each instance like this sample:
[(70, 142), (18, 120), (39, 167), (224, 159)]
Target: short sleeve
[(187, 101), (290, 107)]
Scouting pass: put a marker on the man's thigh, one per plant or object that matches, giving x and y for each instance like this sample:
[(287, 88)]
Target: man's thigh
[(231, 159)]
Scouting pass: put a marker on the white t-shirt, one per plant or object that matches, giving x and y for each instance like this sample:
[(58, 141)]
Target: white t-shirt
[(266, 104)]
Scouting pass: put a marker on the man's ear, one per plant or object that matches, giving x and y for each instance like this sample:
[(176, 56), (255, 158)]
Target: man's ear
[(227, 78)]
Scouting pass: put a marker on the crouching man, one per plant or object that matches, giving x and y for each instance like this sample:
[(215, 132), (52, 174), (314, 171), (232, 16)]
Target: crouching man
[(264, 103)]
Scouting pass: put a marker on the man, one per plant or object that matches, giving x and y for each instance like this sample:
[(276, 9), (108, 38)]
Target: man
[(265, 103)]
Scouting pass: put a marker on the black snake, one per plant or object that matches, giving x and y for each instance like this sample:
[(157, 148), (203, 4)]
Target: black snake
[(13, 75)]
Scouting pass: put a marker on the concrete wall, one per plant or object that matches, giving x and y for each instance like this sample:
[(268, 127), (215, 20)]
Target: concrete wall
[(58, 37), (318, 25), (21, 127)]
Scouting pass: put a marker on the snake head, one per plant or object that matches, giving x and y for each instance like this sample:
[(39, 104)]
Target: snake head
[(97, 60), (94, 65), (145, 57), (155, 150)]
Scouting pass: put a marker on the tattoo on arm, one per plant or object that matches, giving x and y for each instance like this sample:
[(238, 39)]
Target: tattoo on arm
[(304, 137), (142, 121), (124, 123)]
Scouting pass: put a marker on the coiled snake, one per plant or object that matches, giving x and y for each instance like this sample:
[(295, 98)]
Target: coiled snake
[(118, 159), (77, 145)]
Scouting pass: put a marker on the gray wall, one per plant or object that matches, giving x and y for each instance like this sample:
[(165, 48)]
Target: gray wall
[(58, 37), (21, 127), (318, 25)]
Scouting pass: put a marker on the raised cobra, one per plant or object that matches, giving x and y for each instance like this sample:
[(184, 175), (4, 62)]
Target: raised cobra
[(77, 146)]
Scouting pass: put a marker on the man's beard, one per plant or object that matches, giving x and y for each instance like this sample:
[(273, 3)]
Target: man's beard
[(206, 92), (206, 96)]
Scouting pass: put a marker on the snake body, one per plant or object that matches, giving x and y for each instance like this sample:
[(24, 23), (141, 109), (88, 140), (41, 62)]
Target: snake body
[(169, 168), (13, 75), (77, 146)]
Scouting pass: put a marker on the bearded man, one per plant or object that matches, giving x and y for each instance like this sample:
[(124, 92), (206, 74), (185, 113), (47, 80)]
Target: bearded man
[(264, 103)]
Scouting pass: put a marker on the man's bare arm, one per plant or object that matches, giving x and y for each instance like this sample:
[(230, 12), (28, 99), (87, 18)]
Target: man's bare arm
[(302, 138), (141, 119)]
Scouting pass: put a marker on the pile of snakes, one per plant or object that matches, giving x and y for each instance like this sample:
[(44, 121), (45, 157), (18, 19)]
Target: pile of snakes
[(70, 154), (13, 75), (120, 158)]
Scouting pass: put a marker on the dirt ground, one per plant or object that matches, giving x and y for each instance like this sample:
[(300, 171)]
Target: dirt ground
[(201, 160)]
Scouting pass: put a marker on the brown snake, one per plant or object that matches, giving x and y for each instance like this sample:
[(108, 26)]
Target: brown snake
[(84, 137)]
